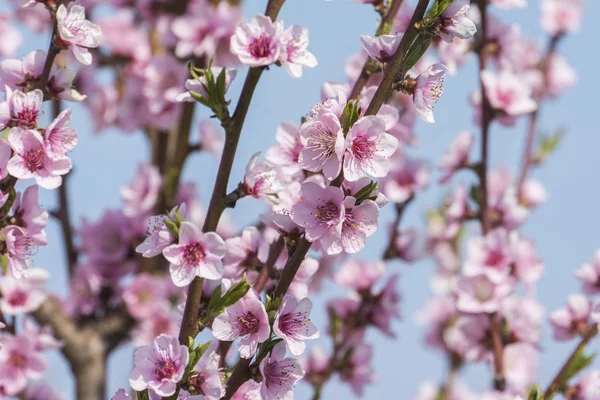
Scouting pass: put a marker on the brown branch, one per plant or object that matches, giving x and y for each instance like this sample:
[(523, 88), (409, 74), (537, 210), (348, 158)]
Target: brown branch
[(390, 250), (554, 385), (233, 129), (274, 253)]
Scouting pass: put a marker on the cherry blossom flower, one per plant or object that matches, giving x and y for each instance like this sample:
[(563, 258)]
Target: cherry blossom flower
[(20, 296), (196, 255), (454, 21), (250, 390), (293, 324), (158, 236), (31, 159), (12, 38), (258, 42), (360, 222), (143, 295), (19, 361), (121, 395), (161, 321), (357, 370), (247, 319), (360, 275), (428, 88), (279, 374), (491, 254), (533, 193), (521, 363), (140, 196), (408, 176), (508, 93), (382, 47), (323, 145), (457, 156), (192, 85), (123, 36), (244, 251), (284, 155), (479, 293), (260, 180), (160, 366), (588, 386), (18, 248), (42, 391), (589, 274), (21, 109), (293, 55), (568, 321), (58, 137), (29, 215), (528, 267), (368, 149), (207, 382), (524, 318), (559, 16), (77, 32), (453, 55)]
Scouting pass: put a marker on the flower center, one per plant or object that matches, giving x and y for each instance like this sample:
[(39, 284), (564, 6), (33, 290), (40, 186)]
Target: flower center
[(363, 148), (27, 116), (494, 258), (292, 322), (193, 253), (436, 89), (322, 143), (17, 298), (165, 369), (327, 213), (261, 47), (34, 159), (17, 360), (249, 323)]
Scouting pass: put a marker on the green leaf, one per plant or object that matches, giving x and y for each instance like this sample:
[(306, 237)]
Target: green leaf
[(172, 227), (416, 51), (221, 81), (274, 303), (580, 362), (201, 99), (350, 115), (266, 347), (366, 193), (475, 194), (234, 294), (549, 144), (534, 394), (195, 355), (438, 8), (143, 395), (215, 303)]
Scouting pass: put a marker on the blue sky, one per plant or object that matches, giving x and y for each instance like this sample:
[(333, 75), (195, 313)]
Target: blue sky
[(565, 228)]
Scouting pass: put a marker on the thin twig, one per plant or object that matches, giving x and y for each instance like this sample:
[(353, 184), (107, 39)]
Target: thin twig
[(390, 250)]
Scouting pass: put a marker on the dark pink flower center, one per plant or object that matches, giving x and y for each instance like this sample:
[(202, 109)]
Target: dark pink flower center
[(261, 46), (17, 298), (291, 323), (505, 97), (193, 253), (248, 323), (165, 369), (494, 258), (17, 360), (27, 116), (363, 147), (327, 212), (34, 159), (322, 142)]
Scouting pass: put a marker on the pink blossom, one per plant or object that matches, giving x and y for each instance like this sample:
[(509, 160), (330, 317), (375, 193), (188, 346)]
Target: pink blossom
[(293, 324), (42, 391), (408, 176), (31, 159), (211, 139), (521, 364), (5, 155), (160, 366), (192, 85), (357, 370), (457, 156), (58, 137), (589, 274), (560, 16), (507, 93), (11, 37), (140, 196), (43, 335), (21, 109), (360, 275), (121, 395), (479, 293), (428, 89), (453, 55), (360, 221), (386, 306), (560, 76), (368, 149), (294, 55), (524, 318), (491, 254), (568, 321), (323, 145), (533, 193), (509, 3), (29, 215), (143, 295), (406, 245), (77, 32), (160, 321), (18, 248), (84, 291), (284, 155), (528, 267), (207, 383), (381, 48), (260, 180), (320, 212), (250, 390), (258, 42), (20, 296), (247, 319), (588, 386), (158, 236), (244, 251), (19, 361), (454, 21), (304, 278), (123, 36), (197, 254), (279, 374)]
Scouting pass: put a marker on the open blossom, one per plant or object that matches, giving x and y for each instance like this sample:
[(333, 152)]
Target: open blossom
[(508, 93), (360, 275), (19, 362), (161, 321), (588, 386), (561, 16), (197, 254), (406, 178), (192, 85), (21, 109), (294, 55), (323, 145), (491, 254), (521, 364), (29, 215), (284, 155), (360, 222), (568, 321), (429, 87), (121, 395), (20, 295), (31, 159), (250, 390), (144, 294), (357, 370), (158, 236), (77, 32), (258, 42), (160, 366), (247, 319), (279, 374), (457, 156), (589, 274), (58, 137), (455, 23), (260, 180), (524, 318), (479, 293), (320, 212), (207, 383), (140, 196), (368, 149), (382, 47), (244, 251), (18, 249), (293, 324)]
